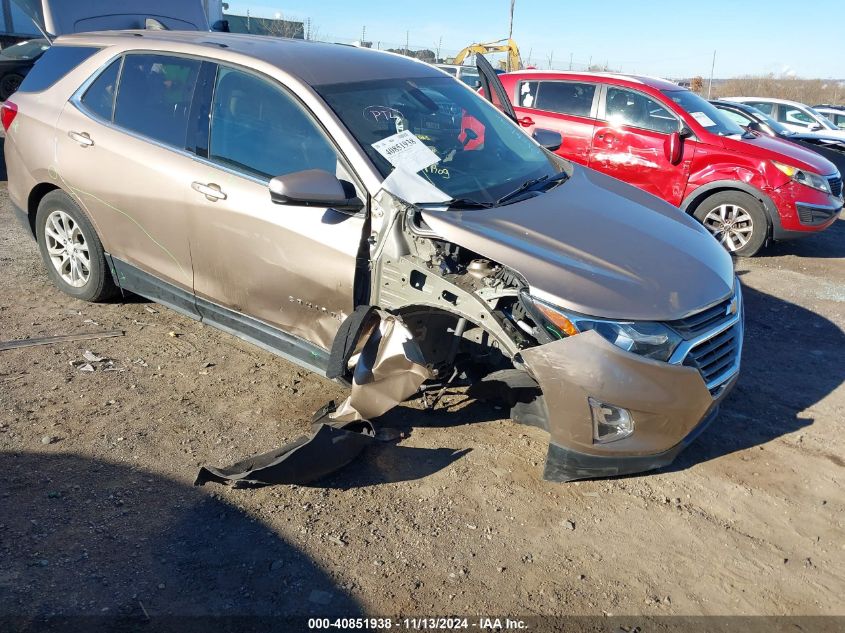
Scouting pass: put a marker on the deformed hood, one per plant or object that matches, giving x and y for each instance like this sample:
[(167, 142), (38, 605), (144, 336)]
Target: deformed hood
[(600, 247)]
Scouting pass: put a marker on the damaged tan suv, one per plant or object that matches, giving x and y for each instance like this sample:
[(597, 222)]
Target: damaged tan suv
[(275, 188)]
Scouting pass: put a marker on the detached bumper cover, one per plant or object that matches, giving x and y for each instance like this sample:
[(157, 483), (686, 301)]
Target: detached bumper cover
[(563, 464), (670, 404)]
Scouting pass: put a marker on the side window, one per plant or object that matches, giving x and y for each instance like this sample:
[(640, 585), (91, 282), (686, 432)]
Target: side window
[(566, 97), (470, 77), (99, 98), (626, 107), (763, 106), (527, 94), (787, 114), (839, 120), (154, 97), (55, 63), (258, 127), (737, 117)]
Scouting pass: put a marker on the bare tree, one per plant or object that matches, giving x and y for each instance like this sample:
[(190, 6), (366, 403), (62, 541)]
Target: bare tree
[(697, 84), (278, 27)]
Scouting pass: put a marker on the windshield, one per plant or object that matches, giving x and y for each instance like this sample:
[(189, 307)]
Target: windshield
[(26, 50), (705, 113), (478, 154)]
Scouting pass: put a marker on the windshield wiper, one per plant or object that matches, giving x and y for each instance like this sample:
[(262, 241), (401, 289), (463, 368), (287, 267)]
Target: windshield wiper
[(467, 203), (528, 185)]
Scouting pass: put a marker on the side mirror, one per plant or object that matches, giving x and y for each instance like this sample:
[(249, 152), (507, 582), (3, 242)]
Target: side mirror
[(548, 139), (754, 126), (673, 148), (815, 127), (686, 132), (314, 188)]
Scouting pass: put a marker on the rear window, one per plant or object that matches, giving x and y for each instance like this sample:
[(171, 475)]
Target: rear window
[(99, 98), (154, 97), (54, 64), (565, 97)]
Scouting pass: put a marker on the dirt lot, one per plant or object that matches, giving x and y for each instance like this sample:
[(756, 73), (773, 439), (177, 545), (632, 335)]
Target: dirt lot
[(98, 514)]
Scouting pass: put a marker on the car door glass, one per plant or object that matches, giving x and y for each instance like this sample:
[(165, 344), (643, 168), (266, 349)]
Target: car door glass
[(787, 114), (528, 93), (259, 128), (626, 107), (154, 97), (763, 106), (470, 77), (566, 97), (99, 98)]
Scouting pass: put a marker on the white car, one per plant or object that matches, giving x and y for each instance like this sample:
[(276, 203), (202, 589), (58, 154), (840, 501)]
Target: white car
[(834, 113), (795, 116)]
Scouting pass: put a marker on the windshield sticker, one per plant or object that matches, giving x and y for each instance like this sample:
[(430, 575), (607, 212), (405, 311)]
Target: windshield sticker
[(702, 118), (406, 152)]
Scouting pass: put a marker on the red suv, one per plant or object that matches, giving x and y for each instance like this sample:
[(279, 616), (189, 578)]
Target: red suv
[(744, 187)]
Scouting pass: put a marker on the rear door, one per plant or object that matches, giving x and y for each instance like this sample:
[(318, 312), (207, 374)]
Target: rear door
[(631, 142), (121, 152), (292, 267), (568, 107)]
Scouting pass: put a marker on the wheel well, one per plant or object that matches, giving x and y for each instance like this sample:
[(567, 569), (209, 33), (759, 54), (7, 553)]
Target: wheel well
[(696, 199), (35, 197)]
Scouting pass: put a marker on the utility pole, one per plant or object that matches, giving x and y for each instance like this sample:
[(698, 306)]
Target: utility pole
[(570, 61), (712, 68), (551, 59), (510, 27), (407, 38), (510, 35), (439, 45), (247, 22), (363, 34)]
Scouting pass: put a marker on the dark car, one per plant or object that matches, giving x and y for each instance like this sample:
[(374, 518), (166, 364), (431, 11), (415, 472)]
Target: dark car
[(15, 63), (831, 147)]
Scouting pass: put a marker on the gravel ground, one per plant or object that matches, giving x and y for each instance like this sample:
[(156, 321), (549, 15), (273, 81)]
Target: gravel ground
[(98, 514)]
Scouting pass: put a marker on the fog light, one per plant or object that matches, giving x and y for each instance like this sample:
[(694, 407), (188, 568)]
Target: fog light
[(610, 423)]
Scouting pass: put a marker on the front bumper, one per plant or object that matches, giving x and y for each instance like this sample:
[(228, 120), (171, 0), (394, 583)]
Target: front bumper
[(800, 211), (670, 405)]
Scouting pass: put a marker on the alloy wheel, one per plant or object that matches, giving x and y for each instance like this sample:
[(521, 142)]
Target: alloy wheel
[(68, 249), (731, 225)]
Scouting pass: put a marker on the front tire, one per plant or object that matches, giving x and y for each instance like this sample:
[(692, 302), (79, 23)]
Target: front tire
[(71, 250), (737, 220)]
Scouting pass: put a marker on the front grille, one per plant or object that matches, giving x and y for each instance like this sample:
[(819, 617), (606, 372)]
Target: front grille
[(717, 355), (703, 321), (835, 186), (814, 215)]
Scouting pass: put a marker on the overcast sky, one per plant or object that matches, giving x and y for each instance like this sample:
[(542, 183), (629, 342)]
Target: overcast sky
[(659, 37)]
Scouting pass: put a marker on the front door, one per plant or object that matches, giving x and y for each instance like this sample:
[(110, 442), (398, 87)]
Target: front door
[(631, 142), (292, 267), (124, 161)]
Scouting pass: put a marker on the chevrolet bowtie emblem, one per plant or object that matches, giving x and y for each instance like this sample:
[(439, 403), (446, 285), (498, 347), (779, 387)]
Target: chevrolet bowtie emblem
[(732, 308)]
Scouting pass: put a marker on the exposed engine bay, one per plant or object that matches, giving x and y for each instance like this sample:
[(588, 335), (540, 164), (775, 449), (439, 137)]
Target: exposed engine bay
[(464, 310)]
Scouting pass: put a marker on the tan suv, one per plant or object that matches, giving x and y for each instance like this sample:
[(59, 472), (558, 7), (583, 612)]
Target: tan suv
[(270, 187)]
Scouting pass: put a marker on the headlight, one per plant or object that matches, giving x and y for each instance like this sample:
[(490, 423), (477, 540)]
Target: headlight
[(646, 338), (804, 177)]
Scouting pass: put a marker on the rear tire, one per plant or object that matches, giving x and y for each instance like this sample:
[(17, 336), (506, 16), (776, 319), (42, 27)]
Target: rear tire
[(71, 250), (737, 220), (9, 85)]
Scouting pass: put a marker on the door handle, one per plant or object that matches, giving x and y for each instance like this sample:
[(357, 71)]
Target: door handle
[(607, 138), (211, 191), (526, 121), (83, 138)]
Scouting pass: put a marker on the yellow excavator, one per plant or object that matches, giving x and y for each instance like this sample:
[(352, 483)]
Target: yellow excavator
[(513, 61)]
